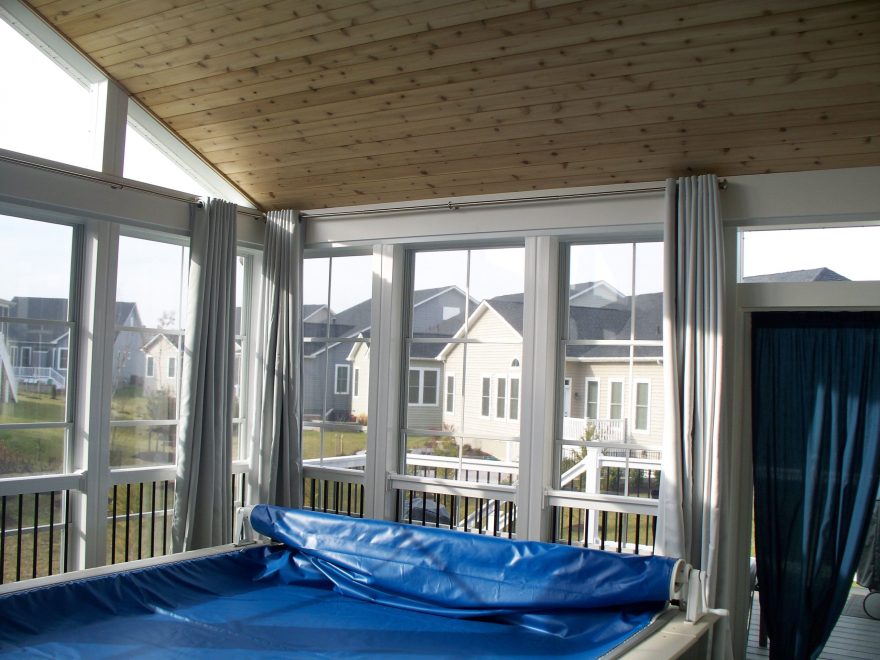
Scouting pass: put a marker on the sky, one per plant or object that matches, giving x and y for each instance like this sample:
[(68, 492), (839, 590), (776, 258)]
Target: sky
[(54, 115)]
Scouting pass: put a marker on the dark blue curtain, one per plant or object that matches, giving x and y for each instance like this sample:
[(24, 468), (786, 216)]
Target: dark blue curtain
[(816, 450)]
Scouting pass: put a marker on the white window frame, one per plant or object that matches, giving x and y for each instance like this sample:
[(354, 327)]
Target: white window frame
[(611, 383), (511, 398), (171, 366), (355, 382), (26, 356), (636, 429), (449, 395), (150, 367), (587, 381), (336, 369), (421, 402)]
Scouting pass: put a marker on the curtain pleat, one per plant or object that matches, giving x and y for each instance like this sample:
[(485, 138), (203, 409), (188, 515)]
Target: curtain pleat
[(280, 419), (203, 493), (690, 489), (816, 449)]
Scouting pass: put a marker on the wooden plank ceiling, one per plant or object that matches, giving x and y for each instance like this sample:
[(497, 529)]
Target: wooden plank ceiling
[(320, 103)]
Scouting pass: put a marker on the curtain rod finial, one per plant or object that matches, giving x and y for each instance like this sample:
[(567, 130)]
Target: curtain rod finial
[(722, 184)]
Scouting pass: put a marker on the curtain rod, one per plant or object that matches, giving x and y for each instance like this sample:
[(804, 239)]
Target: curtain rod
[(455, 206), (119, 185)]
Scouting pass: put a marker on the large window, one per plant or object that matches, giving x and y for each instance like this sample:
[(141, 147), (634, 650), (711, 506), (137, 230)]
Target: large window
[(151, 288), (465, 318), (337, 296), (612, 352), (36, 412)]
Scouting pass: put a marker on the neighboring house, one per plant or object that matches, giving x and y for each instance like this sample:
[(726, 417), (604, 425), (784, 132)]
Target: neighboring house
[(809, 275), (437, 312), (161, 364), (129, 361)]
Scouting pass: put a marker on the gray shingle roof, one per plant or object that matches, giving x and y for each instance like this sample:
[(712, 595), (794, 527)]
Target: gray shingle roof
[(808, 275)]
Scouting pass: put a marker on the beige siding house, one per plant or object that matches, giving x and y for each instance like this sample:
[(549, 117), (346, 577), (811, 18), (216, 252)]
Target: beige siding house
[(162, 365)]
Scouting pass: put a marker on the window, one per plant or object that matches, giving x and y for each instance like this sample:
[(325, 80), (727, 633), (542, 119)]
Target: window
[(591, 399), (643, 405), (36, 414), (513, 413), (50, 109), (811, 255), (244, 276), (464, 317), (61, 362), (486, 396), (341, 386), (450, 393), (337, 306), (613, 334), (150, 315), (501, 398), (423, 386), (615, 410)]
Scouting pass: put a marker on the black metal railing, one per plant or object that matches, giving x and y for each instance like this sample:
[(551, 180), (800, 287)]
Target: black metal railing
[(475, 476), (34, 535), (478, 515), (607, 530), (333, 496), (139, 517)]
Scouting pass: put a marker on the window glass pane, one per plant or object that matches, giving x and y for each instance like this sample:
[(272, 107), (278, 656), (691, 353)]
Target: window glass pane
[(46, 112), (151, 287), (429, 386), (34, 356), (514, 398), (132, 446), (450, 394), (811, 255), (501, 397), (486, 396), (498, 277), (439, 293), (144, 161), (336, 305), (611, 394)]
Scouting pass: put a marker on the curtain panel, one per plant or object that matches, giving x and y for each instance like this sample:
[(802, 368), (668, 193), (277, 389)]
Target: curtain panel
[(203, 493), (689, 516), (280, 358), (816, 449)]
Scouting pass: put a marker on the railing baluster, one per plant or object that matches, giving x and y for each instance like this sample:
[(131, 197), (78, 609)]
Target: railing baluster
[(113, 530), (18, 542), (153, 519), (164, 517), (127, 518), (466, 514), (34, 535), (51, 529), (140, 518), (603, 529), (638, 521), (620, 526), (3, 539), (67, 523)]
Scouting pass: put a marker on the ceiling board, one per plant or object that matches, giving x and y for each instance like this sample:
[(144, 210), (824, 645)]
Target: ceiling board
[(309, 104)]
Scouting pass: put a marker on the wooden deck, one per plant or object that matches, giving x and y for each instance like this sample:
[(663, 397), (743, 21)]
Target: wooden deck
[(855, 637)]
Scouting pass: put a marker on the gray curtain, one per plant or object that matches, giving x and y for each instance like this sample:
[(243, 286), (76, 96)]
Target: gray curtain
[(690, 490), (203, 492), (280, 420)]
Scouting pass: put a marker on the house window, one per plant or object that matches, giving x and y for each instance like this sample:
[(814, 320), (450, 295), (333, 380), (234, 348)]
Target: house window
[(486, 397), (615, 410), (151, 366), (423, 386), (337, 306), (514, 399), (172, 367), (341, 386), (35, 277), (501, 398), (61, 361), (643, 405), (450, 393), (591, 399)]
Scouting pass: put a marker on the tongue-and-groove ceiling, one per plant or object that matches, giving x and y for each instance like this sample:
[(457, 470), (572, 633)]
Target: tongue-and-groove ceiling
[(309, 104)]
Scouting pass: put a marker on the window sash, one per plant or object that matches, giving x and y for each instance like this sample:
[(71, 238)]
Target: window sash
[(341, 377)]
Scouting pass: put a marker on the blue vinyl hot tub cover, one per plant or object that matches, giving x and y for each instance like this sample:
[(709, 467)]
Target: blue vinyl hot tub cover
[(459, 575)]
